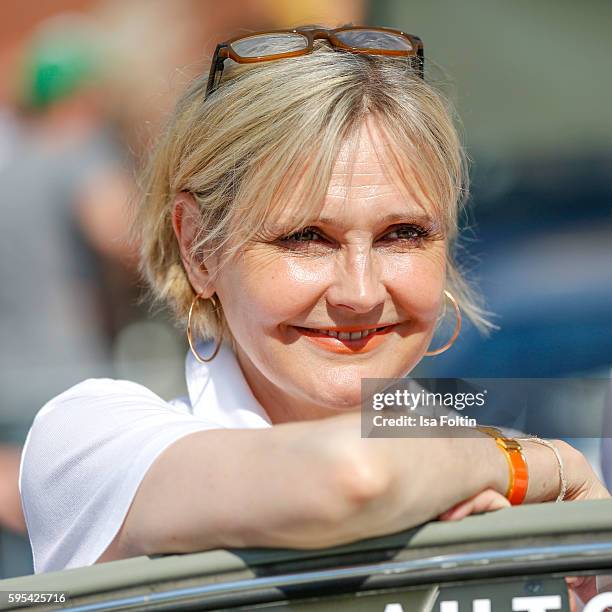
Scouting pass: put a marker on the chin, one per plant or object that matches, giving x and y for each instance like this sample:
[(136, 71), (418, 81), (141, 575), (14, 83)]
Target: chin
[(339, 398)]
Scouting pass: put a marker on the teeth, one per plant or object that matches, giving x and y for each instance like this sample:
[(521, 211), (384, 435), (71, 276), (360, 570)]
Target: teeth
[(348, 335)]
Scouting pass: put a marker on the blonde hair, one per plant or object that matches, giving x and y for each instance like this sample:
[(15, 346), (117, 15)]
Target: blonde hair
[(274, 126)]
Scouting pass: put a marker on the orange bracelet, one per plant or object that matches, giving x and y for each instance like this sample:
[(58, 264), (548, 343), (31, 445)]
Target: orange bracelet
[(519, 475)]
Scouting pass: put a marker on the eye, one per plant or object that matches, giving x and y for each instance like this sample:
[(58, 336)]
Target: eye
[(408, 232), (307, 234)]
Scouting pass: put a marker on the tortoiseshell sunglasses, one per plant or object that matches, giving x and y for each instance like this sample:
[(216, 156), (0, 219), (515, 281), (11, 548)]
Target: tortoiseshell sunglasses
[(279, 44)]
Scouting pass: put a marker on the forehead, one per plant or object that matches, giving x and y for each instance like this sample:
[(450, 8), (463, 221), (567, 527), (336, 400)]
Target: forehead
[(364, 163), (372, 179), (365, 177), (367, 142)]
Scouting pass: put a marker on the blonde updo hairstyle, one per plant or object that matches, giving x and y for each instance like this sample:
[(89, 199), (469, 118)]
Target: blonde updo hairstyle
[(274, 126)]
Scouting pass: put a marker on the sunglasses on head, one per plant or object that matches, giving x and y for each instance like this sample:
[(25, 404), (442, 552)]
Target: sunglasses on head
[(279, 44)]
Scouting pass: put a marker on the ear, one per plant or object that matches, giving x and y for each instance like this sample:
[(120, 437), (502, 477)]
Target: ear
[(185, 217)]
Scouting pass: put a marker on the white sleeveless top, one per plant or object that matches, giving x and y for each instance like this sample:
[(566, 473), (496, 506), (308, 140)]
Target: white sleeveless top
[(90, 447)]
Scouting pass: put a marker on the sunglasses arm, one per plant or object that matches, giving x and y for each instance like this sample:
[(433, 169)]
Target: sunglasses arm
[(421, 60), (216, 67)]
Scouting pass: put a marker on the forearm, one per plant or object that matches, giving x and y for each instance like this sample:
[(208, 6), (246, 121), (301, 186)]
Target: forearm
[(282, 486), (427, 476), (324, 485), (309, 485), (300, 485)]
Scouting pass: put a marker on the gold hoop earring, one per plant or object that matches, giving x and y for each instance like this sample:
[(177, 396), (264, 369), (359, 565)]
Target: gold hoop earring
[(456, 331), (190, 335)]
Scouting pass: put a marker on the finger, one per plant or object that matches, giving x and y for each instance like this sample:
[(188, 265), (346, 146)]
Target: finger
[(571, 596), (484, 501)]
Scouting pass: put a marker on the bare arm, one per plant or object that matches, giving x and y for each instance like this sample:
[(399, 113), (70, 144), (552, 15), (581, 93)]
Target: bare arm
[(308, 485), (11, 515)]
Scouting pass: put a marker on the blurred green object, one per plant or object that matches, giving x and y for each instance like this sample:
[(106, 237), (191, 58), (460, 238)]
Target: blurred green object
[(60, 59)]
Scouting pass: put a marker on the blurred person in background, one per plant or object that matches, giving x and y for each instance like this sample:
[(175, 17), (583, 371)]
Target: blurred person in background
[(67, 181), (11, 514)]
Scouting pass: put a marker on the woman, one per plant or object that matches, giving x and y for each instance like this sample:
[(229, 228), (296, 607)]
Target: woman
[(301, 197)]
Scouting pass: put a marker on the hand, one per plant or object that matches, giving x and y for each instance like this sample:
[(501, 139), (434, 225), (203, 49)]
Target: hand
[(485, 501), (582, 483), (581, 589)]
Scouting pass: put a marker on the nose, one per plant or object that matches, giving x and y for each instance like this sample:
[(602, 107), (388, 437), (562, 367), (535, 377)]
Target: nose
[(357, 285)]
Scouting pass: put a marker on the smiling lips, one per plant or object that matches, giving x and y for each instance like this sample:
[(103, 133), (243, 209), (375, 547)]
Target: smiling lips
[(347, 339)]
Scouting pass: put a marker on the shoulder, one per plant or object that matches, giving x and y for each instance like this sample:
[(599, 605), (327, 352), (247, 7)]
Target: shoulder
[(105, 412), (94, 413), (101, 418), (108, 396), (84, 457)]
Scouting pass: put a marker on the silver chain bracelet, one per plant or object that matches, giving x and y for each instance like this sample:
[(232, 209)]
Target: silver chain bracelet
[(549, 444)]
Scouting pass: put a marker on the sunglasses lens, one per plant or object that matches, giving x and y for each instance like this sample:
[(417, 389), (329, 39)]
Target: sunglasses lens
[(374, 39), (269, 44)]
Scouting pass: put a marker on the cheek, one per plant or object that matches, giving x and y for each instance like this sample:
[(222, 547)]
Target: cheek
[(264, 291), (416, 283)]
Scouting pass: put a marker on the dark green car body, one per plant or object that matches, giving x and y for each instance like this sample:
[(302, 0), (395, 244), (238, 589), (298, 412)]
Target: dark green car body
[(498, 557)]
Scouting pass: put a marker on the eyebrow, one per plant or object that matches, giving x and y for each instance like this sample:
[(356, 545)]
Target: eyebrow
[(406, 217), (415, 217)]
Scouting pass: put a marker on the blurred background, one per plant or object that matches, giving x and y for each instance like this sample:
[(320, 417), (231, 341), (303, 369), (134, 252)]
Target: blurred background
[(85, 85)]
